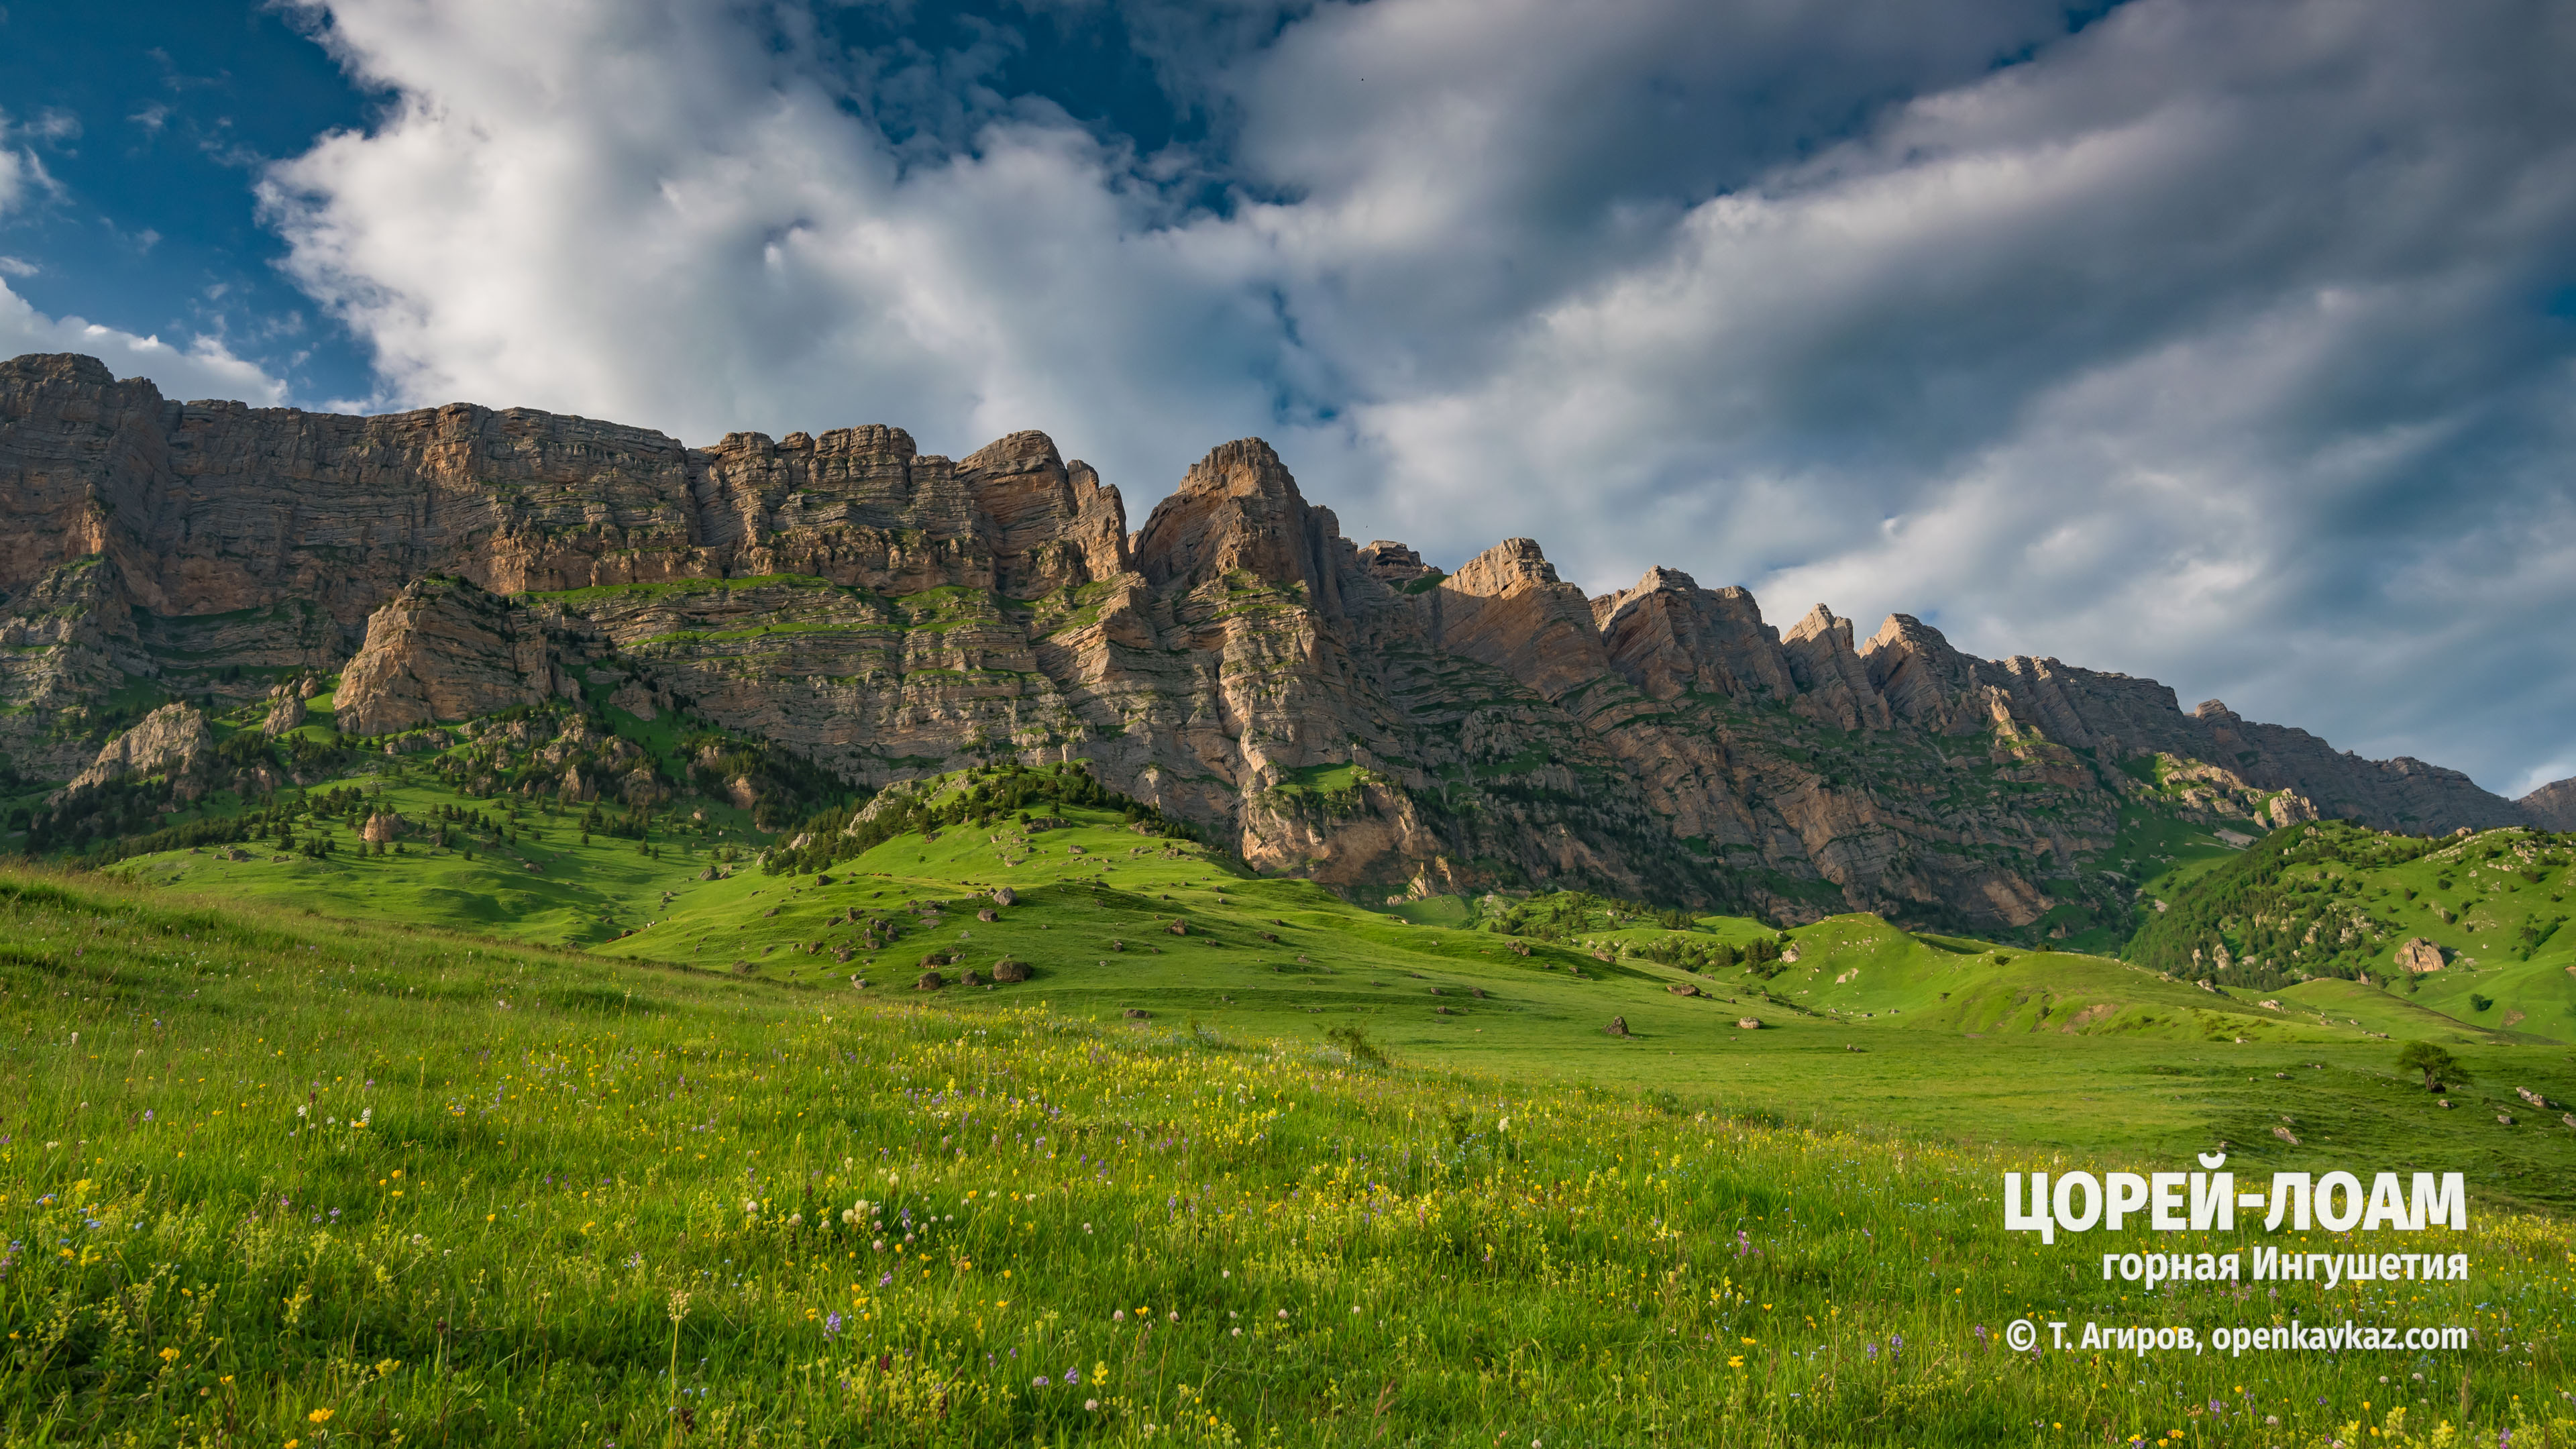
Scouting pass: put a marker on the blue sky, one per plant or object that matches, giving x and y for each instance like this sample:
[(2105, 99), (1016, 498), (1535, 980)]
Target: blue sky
[(2223, 341)]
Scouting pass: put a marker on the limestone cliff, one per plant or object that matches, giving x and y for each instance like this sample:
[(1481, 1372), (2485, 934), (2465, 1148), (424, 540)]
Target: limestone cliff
[(1349, 713), (2552, 806)]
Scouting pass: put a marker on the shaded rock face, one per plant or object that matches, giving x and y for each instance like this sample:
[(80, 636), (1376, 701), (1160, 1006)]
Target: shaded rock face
[(1347, 713), (2552, 806)]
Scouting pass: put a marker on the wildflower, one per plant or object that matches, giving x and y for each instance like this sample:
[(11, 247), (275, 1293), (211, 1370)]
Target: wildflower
[(320, 1416), (1039, 1382), (147, 1114), (885, 1280), (832, 1326), (1091, 1405), (1283, 1312), (1735, 1360), (1073, 1376)]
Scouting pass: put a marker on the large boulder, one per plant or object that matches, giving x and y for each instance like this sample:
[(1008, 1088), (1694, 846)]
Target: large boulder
[(2419, 956)]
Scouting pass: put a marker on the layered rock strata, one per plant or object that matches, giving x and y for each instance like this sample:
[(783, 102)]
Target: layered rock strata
[(1349, 713)]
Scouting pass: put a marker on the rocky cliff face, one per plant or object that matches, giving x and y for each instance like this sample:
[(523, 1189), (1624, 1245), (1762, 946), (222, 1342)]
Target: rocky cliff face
[(1345, 712), (2552, 806)]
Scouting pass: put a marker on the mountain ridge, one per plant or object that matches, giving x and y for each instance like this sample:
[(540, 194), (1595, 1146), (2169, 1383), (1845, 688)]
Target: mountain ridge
[(1319, 706)]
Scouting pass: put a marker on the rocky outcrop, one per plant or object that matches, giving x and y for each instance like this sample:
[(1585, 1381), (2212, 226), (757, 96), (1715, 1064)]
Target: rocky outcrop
[(2419, 956), (285, 711), (444, 650), (1507, 608), (172, 740), (2552, 806), (1833, 683), (1348, 713), (1669, 637)]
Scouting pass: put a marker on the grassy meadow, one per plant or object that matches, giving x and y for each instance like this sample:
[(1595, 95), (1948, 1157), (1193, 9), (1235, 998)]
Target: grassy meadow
[(520, 1130), (275, 1178)]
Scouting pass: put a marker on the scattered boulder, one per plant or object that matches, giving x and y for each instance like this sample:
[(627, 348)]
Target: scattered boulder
[(1748, 1023), (935, 958), (2528, 1095), (970, 977), (929, 981), (2419, 956), (765, 915), (1178, 928), (1117, 945), (1683, 989), (988, 915), (1007, 969), (1618, 1026), (1005, 896), (1789, 953), (1520, 948), (2286, 1135), (381, 826), (2505, 1117), (2444, 1104), (744, 968), (1137, 1013), (1442, 1011)]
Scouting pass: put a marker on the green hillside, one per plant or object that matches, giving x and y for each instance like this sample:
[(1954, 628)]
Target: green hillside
[(2318, 915), (280, 1178)]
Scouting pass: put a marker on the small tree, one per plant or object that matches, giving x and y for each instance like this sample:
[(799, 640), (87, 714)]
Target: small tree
[(1354, 1043), (2432, 1061)]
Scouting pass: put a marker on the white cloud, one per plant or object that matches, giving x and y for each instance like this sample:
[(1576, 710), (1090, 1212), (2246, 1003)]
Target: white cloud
[(205, 368), (2206, 342)]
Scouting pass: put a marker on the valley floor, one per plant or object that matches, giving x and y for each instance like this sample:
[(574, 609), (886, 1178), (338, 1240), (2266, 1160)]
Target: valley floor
[(274, 1177)]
